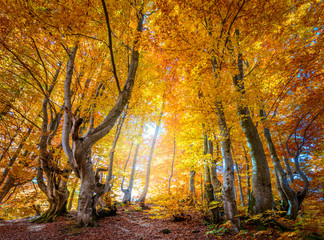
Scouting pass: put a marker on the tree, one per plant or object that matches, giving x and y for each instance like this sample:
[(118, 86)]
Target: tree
[(128, 191), (230, 208), (142, 198), (56, 187), (172, 166), (80, 156), (249, 72)]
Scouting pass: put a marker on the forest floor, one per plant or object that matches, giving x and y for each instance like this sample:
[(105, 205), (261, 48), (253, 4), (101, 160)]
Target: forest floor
[(138, 225)]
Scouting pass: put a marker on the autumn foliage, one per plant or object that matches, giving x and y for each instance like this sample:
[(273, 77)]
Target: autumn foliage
[(182, 107)]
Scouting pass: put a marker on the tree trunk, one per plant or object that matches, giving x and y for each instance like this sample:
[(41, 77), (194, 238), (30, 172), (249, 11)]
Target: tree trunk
[(214, 210), (208, 185), (71, 200), (217, 185), (261, 182), (112, 151), (248, 178), (55, 190), (230, 207), (79, 156), (283, 198), (192, 189), (283, 186), (288, 191), (228, 175), (209, 190), (86, 203), (300, 195), (171, 173), (5, 188), (128, 191), (56, 186), (288, 168), (239, 179), (72, 195), (58, 203), (202, 195), (142, 198), (126, 198)]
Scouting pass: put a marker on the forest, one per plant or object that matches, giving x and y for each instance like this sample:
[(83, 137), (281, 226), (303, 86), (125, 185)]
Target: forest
[(205, 117)]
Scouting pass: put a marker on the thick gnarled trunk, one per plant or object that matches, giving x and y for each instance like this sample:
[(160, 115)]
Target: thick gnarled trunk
[(57, 197), (86, 203), (79, 156), (261, 184)]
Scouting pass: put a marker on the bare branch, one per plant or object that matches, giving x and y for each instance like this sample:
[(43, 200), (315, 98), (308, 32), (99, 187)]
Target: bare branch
[(40, 57), (110, 45)]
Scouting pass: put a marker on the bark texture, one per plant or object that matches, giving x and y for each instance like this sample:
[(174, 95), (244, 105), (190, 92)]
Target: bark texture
[(239, 179), (248, 178), (286, 193), (261, 182), (209, 189), (71, 200), (217, 185), (192, 189), (230, 208), (208, 185), (228, 193)]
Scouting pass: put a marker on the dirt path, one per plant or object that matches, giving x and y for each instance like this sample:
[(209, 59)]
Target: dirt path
[(125, 225)]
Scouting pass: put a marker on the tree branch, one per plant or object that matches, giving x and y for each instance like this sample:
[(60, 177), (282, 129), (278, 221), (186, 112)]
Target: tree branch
[(110, 45), (67, 119)]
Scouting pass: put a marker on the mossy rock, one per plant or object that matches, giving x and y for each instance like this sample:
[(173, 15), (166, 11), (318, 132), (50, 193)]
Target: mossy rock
[(112, 211)]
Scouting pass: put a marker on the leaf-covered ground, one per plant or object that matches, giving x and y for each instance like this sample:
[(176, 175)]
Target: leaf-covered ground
[(129, 224)]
